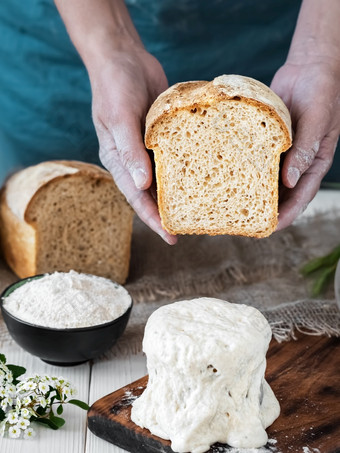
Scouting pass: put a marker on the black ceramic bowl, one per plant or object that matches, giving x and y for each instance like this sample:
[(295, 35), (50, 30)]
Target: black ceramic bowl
[(63, 347)]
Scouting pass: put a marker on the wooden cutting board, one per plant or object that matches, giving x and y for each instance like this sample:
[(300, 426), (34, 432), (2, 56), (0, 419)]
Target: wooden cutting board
[(305, 377)]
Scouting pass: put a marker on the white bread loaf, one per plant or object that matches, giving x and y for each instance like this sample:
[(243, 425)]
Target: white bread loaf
[(217, 149), (63, 215)]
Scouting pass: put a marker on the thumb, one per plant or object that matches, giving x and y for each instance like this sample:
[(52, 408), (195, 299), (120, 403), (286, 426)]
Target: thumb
[(127, 134), (310, 130)]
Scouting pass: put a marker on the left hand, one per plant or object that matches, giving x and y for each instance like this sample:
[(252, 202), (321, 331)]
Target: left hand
[(311, 91)]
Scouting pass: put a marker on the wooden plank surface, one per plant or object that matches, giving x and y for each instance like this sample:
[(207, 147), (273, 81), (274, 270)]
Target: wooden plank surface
[(304, 375), (106, 376), (71, 437)]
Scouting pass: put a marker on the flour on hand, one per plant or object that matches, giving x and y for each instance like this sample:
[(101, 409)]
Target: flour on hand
[(206, 364)]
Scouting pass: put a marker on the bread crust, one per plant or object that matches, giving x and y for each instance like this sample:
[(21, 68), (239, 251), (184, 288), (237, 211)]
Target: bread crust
[(18, 236), (87, 169), (203, 94), (186, 95), (18, 241)]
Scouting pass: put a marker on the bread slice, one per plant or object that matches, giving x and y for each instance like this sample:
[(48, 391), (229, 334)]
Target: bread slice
[(63, 215), (217, 149)]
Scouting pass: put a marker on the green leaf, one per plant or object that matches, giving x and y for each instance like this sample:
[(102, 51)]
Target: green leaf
[(323, 261), (16, 371), (41, 411), (2, 358), (330, 185), (312, 266), (47, 422), (58, 421), (80, 404), (60, 409), (2, 415), (58, 395), (322, 281)]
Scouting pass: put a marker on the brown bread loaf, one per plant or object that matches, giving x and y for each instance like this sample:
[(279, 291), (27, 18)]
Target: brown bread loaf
[(63, 215), (217, 149)]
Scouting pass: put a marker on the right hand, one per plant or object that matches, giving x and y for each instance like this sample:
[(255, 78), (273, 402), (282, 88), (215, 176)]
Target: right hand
[(123, 89)]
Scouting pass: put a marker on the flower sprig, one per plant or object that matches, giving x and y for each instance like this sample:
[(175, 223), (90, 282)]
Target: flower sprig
[(32, 399)]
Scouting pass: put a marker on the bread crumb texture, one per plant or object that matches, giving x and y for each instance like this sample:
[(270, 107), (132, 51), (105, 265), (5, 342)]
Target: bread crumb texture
[(217, 149), (77, 220)]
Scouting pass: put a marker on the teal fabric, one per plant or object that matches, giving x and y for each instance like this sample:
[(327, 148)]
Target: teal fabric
[(45, 95), (199, 39)]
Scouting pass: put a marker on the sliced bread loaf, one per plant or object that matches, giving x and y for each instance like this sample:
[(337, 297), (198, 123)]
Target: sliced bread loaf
[(217, 149), (63, 215)]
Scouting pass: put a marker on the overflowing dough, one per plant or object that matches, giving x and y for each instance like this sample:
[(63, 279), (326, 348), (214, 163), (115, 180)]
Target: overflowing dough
[(206, 364)]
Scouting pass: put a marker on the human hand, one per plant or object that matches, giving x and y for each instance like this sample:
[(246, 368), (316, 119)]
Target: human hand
[(123, 89), (311, 91)]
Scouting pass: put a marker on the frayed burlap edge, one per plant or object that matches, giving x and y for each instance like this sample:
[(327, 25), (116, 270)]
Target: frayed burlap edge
[(310, 317)]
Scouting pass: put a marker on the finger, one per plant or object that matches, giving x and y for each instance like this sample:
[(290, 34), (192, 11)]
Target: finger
[(141, 200), (294, 201), (127, 135), (146, 207), (281, 89), (310, 129)]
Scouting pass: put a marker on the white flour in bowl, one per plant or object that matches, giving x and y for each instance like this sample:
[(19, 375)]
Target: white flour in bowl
[(68, 300)]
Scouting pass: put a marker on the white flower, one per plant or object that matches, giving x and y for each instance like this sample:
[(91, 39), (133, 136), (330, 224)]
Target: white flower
[(4, 403), (66, 392), (23, 423), (18, 405), (20, 386), (12, 417), (43, 387), (26, 401), (14, 432), (43, 402), (30, 386), (3, 392), (61, 381), (9, 376), (25, 413), (11, 389), (29, 433)]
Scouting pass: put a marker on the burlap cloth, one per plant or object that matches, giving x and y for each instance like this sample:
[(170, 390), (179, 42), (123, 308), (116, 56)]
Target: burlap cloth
[(263, 273)]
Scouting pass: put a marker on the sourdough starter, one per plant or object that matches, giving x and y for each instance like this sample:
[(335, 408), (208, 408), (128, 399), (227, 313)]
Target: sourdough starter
[(206, 364)]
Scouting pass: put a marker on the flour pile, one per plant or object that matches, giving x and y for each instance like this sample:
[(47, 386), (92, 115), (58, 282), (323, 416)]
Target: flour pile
[(66, 300)]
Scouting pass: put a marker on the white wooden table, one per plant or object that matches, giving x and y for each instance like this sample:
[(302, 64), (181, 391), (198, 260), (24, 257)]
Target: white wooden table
[(93, 382)]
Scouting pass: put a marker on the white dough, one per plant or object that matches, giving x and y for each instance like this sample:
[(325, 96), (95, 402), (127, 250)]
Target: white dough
[(206, 364)]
